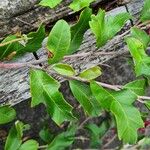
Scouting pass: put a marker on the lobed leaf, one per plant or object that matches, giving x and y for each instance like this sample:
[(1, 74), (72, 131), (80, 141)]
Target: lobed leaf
[(141, 60), (63, 140), (77, 5), (137, 86), (147, 104), (46, 91), (128, 118), (84, 96), (145, 11), (32, 43), (97, 25), (78, 30), (96, 133), (35, 40), (141, 35), (105, 28), (114, 24), (14, 47)]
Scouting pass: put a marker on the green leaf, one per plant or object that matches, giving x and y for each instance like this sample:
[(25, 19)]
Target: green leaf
[(59, 41), (46, 91), (35, 41), (6, 50), (50, 3), (7, 114), (97, 25), (46, 135), (145, 11), (64, 69), (84, 96), (29, 145), (77, 5), (114, 24), (78, 30), (128, 118), (105, 28), (14, 138), (141, 35), (144, 143), (141, 60), (63, 140), (95, 134), (101, 95), (137, 86), (91, 73), (32, 44), (147, 104)]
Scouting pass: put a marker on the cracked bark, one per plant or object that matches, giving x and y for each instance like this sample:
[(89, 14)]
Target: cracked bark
[(14, 84)]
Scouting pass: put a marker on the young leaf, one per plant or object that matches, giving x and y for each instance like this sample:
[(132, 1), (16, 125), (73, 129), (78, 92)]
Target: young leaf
[(50, 3), (59, 41), (46, 135), (91, 73), (63, 140), (77, 5), (97, 25), (14, 138), (35, 41), (147, 104), (141, 35), (96, 133), (83, 94), (29, 145), (114, 24), (78, 30), (105, 28), (120, 104), (137, 86), (14, 47), (7, 114), (141, 60), (46, 91), (64, 69), (145, 11)]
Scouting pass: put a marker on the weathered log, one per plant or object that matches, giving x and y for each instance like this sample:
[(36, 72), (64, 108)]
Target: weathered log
[(24, 16), (14, 84)]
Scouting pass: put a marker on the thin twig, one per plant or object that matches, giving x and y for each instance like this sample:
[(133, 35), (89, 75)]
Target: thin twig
[(12, 41), (84, 122), (43, 147), (43, 60), (144, 97), (82, 138), (110, 141), (109, 86)]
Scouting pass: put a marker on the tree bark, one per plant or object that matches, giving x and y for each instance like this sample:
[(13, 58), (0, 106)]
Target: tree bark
[(14, 84)]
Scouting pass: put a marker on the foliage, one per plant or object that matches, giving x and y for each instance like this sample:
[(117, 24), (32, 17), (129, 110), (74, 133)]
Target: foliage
[(145, 11), (95, 98), (105, 28), (78, 30), (56, 105), (7, 114), (59, 41), (27, 43)]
